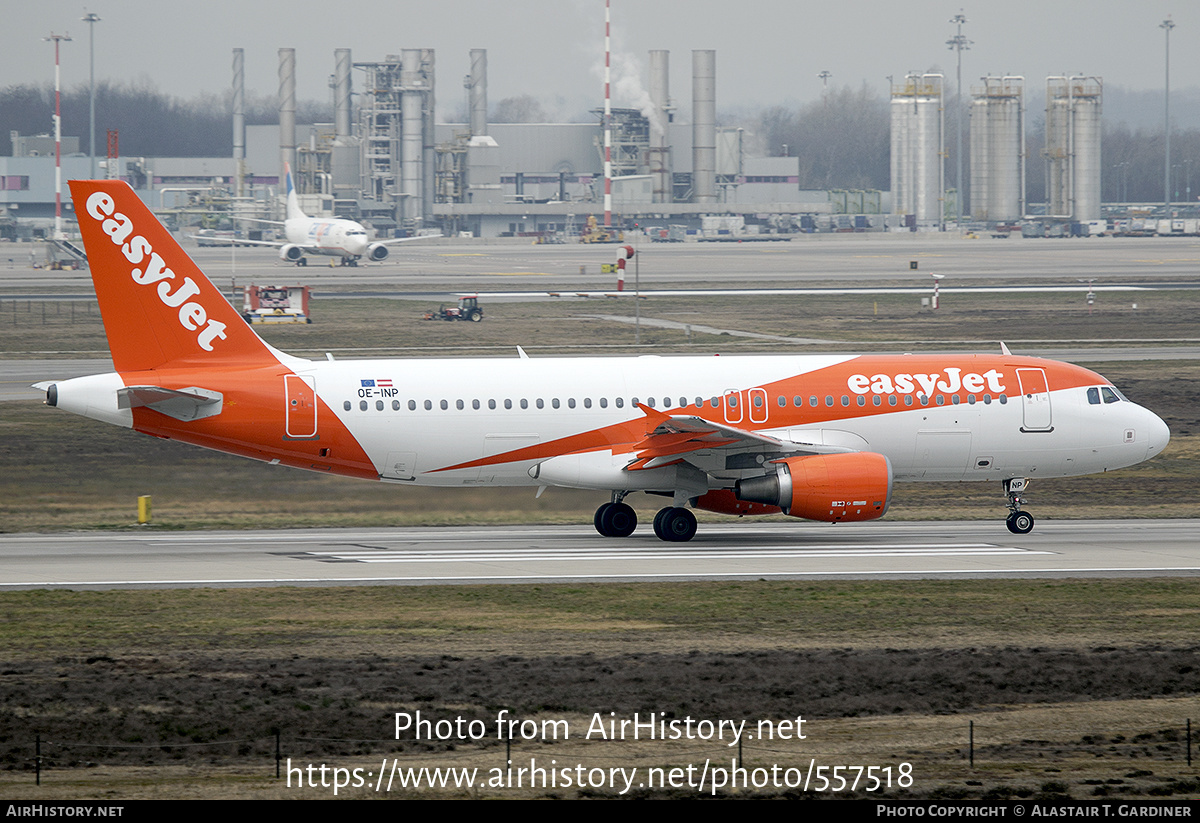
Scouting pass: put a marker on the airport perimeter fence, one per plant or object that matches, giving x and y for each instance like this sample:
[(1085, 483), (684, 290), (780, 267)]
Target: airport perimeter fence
[(30, 312), (1117, 761)]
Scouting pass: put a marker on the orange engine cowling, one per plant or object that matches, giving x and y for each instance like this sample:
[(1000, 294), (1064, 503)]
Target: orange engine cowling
[(829, 487)]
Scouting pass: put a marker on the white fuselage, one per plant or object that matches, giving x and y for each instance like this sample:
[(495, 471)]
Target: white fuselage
[(436, 414), (333, 237)]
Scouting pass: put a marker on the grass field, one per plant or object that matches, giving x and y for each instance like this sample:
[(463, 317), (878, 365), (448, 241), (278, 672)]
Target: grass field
[(1076, 688)]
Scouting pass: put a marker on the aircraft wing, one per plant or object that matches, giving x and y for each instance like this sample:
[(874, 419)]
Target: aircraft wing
[(395, 240), (261, 220), (229, 241), (675, 435)]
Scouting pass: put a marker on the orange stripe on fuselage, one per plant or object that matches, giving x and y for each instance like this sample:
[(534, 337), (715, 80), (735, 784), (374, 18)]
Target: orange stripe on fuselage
[(949, 371)]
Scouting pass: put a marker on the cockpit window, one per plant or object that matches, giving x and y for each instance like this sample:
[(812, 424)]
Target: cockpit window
[(1094, 396), (1109, 395)]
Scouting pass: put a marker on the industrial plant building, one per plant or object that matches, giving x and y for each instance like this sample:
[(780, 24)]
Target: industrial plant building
[(384, 160)]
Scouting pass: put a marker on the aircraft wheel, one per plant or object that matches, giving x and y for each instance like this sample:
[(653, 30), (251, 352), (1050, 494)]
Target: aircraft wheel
[(598, 520), (658, 523), (303, 261), (678, 525), (1020, 522), (619, 520)]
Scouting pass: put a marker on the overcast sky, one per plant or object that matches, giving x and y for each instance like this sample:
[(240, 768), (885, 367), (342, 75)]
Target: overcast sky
[(768, 51)]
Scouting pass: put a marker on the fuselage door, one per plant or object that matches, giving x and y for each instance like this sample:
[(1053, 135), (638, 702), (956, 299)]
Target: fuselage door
[(300, 413), (1035, 400)]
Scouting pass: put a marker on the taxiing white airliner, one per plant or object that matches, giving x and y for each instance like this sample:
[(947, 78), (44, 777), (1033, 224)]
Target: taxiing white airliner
[(820, 437), (330, 237)]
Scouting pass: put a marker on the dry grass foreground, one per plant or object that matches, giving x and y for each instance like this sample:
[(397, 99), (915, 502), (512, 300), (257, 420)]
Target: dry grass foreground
[(1076, 688)]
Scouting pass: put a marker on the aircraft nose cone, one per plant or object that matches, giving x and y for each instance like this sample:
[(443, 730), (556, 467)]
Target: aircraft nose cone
[(1159, 435), (358, 246)]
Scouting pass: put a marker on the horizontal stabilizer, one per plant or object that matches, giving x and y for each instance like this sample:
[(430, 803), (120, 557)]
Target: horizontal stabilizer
[(191, 403)]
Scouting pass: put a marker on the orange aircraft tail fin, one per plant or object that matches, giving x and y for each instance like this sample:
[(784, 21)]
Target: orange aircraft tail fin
[(158, 307)]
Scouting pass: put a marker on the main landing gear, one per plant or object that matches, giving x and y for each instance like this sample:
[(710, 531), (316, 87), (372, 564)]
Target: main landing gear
[(616, 519), (674, 524), (1018, 521)]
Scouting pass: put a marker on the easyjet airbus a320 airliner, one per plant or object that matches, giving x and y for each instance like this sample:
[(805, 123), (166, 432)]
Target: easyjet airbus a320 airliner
[(818, 437)]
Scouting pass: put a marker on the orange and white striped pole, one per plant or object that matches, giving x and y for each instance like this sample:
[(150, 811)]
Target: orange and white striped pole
[(623, 253)]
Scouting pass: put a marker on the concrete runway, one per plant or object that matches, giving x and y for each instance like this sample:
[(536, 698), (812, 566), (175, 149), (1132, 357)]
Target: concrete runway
[(733, 551)]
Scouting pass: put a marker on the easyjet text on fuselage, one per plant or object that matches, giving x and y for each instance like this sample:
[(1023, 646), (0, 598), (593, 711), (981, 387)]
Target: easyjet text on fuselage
[(927, 383)]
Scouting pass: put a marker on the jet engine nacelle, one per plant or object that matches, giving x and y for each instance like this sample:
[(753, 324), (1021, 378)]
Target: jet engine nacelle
[(377, 252), (290, 252), (828, 487)]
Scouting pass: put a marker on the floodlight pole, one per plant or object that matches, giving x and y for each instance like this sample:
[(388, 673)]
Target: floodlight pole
[(958, 43), (91, 18), (1166, 26)]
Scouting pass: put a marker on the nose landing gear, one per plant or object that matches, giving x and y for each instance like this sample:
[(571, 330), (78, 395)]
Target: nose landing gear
[(1018, 521)]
